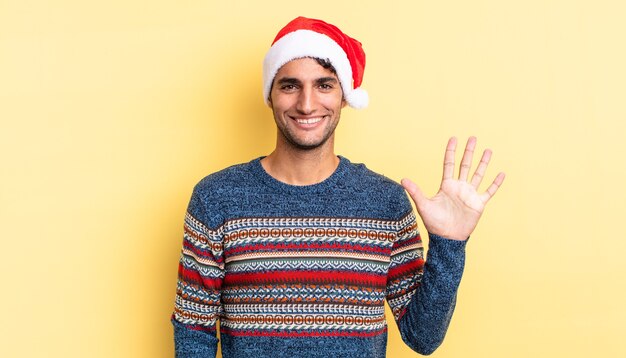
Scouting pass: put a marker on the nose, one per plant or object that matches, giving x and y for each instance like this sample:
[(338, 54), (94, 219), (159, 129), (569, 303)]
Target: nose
[(306, 99)]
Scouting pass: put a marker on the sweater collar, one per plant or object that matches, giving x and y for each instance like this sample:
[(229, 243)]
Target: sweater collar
[(259, 172)]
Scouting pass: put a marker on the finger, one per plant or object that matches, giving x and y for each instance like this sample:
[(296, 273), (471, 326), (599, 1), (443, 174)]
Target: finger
[(479, 174), (466, 162), (448, 159), (493, 188), (414, 191)]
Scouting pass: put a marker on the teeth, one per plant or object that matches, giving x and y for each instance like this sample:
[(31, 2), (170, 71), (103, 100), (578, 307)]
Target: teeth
[(309, 121)]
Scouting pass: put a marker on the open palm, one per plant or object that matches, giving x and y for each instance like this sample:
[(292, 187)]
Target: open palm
[(455, 210)]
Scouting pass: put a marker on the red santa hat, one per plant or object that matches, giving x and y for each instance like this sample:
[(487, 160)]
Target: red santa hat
[(303, 37)]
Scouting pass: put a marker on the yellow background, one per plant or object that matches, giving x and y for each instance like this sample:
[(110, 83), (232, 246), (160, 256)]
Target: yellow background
[(111, 111)]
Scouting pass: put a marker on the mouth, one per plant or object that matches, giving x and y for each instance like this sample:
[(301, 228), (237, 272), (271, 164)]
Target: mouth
[(308, 121)]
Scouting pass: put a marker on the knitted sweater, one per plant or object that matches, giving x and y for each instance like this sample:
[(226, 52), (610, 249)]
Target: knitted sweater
[(304, 271)]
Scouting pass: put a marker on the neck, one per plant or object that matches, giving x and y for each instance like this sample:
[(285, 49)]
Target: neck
[(301, 167)]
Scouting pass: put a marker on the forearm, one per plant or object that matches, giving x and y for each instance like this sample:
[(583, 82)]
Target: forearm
[(425, 321), (190, 343), (194, 320)]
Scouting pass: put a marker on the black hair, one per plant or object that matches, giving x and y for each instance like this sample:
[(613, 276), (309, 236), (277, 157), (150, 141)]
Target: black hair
[(324, 62)]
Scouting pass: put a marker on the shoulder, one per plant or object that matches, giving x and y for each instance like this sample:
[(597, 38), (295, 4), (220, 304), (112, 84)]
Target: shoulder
[(380, 189), (225, 180), (216, 191), (367, 179)]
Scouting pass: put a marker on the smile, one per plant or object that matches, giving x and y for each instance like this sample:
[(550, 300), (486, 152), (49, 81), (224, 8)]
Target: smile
[(308, 120)]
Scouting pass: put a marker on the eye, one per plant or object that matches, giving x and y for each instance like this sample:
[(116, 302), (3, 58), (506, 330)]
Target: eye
[(326, 87), (288, 87)]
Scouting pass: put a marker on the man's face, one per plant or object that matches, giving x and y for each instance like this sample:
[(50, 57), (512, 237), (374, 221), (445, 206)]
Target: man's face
[(306, 100)]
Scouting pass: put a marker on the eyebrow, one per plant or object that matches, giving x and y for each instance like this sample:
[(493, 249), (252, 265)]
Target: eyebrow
[(324, 80), (289, 81), (295, 81)]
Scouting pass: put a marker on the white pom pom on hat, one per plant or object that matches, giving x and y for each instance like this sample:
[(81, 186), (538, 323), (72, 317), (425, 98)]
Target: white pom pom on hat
[(304, 37)]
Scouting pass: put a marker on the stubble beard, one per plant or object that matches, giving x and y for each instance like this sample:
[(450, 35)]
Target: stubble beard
[(300, 145)]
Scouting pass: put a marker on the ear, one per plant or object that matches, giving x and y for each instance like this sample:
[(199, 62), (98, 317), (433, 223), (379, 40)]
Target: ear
[(343, 102)]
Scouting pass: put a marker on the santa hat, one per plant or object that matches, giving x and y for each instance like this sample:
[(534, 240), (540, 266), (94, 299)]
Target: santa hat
[(304, 37)]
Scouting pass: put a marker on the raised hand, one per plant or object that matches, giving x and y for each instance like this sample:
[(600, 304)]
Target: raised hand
[(455, 210)]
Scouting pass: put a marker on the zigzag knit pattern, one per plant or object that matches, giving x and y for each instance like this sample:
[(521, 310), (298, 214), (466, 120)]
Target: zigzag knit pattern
[(296, 271)]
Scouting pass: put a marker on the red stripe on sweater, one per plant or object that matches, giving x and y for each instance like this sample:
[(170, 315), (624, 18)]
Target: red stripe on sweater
[(194, 277), (304, 246), (402, 270), (304, 277)]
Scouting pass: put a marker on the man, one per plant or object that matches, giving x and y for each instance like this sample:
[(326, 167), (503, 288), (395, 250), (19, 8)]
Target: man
[(296, 252)]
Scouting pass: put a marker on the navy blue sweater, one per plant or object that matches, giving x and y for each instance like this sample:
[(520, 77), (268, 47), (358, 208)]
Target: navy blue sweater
[(304, 271)]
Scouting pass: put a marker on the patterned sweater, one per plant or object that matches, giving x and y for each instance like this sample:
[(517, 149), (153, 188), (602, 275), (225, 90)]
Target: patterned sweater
[(304, 271)]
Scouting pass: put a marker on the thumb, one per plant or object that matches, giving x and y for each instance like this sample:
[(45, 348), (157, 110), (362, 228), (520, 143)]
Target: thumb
[(414, 191)]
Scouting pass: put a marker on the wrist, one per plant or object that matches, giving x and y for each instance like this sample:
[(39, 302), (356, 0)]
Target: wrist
[(450, 236)]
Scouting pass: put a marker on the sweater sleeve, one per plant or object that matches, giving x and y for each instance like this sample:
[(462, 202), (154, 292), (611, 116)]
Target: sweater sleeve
[(422, 293), (200, 275)]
